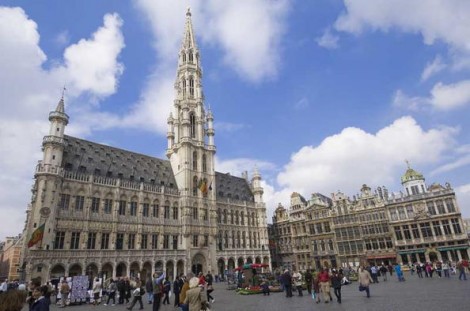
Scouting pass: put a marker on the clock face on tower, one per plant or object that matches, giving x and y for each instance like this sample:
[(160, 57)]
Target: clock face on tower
[(45, 211)]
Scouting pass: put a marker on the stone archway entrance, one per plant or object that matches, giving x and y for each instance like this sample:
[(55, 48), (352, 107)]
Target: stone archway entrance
[(231, 264), (75, 270), (198, 264), (180, 267), (433, 256), (107, 271), (220, 266)]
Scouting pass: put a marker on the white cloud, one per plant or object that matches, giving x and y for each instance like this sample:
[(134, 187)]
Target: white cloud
[(443, 97), (229, 127), (239, 165), (29, 92), (435, 20), (451, 96), (433, 68), (328, 40), (354, 157), (92, 64), (462, 161), (463, 197)]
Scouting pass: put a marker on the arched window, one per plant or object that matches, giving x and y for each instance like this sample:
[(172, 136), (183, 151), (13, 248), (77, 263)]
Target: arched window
[(226, 239), (233, 239), (195, 160), (192, 120), (191, 87), (191, 57), (184, 87), (236, 218), (204, 163), (242, 218), (184, 57), (231, 217), (244, 239), (225, 216), (195, 185), (219, 216), (238, 239)]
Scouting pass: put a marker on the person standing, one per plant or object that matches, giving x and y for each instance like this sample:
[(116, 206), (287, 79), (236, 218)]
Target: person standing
[(4, 286), (399, 273), (184, 289), (64, 292), (12, 300), (364, 281), (419, 270), (157, 290), (166, 291), (439, 268), (176, 290), (336, 284), (445, 268), (96, 292), (194, 297), (308, 281), (316, 288), (149, 289), (287, 282), (383, 271), (297, 280), (324, 279), (40, 302), (373, 271)]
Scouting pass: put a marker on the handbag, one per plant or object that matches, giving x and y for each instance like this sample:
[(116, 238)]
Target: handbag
[(362, 288)]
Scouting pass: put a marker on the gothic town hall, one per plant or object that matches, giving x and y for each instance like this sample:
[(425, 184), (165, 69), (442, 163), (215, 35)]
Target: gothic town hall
[(107, 211)]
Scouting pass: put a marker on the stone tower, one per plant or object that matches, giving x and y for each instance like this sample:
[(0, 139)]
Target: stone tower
[(191, 151)]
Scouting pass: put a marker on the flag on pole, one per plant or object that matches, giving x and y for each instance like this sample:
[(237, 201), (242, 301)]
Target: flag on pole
[(203, 186), (37, 235)]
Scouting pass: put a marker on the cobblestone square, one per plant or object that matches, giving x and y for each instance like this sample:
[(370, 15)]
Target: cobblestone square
[(415, 294)]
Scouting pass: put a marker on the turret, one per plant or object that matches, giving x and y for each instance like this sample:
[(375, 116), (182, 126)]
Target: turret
[(256, 185), (413, 182), (54, 143)]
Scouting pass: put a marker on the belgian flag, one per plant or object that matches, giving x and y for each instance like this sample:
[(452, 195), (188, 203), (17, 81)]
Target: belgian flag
[(37, 235)]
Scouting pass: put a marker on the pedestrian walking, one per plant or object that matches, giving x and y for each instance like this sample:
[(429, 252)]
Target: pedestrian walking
[(177, 284), (445, 268), (316, 288), (324, 279), (157, 289), (166, 291), (383, 271), (149, 289), (137, 293), (461, 269), (364, 281), (336, 284), (210, 287), (308, 281), (112, 289)]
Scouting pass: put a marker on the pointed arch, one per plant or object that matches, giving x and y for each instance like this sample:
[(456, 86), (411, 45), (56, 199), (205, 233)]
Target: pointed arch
[(195, 160), (183, 82), (192, 122), (204, 163), (191, 87), (194, 185)]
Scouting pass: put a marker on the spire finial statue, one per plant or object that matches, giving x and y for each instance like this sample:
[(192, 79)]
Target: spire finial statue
[(188, 12), (63, 92)]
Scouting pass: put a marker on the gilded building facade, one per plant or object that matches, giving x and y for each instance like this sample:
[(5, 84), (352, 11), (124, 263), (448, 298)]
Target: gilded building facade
[(419, 224), (113, 212)]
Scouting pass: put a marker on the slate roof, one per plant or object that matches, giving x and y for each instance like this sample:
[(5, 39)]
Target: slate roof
[(233, 187), (92, 158), (97, 159)]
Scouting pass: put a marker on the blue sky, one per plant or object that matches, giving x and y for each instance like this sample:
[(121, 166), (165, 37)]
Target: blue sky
[(320, 95)]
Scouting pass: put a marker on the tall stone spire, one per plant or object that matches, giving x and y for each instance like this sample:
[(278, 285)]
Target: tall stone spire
[(189, 40)]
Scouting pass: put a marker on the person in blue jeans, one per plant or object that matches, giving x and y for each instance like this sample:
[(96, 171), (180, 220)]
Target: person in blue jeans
[(461, 268)]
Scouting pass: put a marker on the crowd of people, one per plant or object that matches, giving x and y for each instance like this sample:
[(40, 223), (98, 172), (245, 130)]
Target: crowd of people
[(319, 283), (190, 292)]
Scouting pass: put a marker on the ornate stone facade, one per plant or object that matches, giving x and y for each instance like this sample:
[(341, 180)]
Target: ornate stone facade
[(424, 224), (113, 212)]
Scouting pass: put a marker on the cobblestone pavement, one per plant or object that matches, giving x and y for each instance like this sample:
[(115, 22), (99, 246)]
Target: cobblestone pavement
[(414, 294)]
